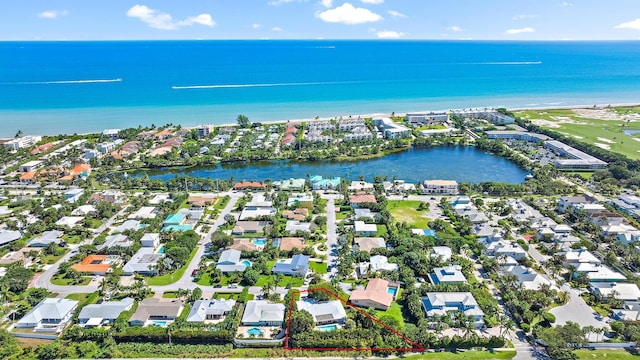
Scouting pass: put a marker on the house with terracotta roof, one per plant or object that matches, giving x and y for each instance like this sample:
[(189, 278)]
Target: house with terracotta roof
[(243, 244), (356, 200), (369, 243), (42, 148), (28, 177), (298, 214), (201, 201), (377, 295), (96, 264), (290, 243), (249, 185)]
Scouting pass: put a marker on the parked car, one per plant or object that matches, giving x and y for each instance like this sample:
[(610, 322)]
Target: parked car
[(194, 272)]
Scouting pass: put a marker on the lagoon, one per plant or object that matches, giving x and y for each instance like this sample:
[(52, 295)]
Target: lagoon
[(461, 163)]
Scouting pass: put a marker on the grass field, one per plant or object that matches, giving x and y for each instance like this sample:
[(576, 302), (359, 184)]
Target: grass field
[(601, 132), (394, 311), (407, 211), (318, 267), (172, 277), (465, 355), (79, 296), (63, 282), (605, 354)]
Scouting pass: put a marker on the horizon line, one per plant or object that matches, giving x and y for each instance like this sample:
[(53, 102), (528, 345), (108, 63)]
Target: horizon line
[(324, 39)]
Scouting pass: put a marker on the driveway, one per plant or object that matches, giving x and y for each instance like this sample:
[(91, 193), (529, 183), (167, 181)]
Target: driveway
[(576, 310), (332, 240)]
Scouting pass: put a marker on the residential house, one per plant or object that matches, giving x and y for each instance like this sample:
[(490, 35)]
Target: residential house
[(360, 186), (51, 315), (293, 226), (243, 244), (511, 249), (357, 200), (451, 274), (118, 240), (210, 310), (73, 195), (24, 255), (157, 312), (376, 264), (363, 229), (30, 166), (585, 262), (96, 264), (290, 184), (446, 303), (444, 252), (150, 240), (323, 313), (528, 278), (69, 221), (230, 261), (291, 243), (249, 227), (249, 185), (369, 243), (298, 265), (142, 262), (566, 202), (376, 295), (145, 212), (83, 210), (629, 312), (620, 291), (299, 214), (46, 238), (300, 200), (320, 183), (95, 315), (256, 211), (8, 236), (262, 313)]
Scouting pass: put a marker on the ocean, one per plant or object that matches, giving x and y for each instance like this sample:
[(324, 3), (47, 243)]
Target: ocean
[(67, 87)]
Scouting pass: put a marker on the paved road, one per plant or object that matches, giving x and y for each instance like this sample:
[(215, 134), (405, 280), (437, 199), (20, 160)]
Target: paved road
[(332, 240), (186, 281), (44, 280)]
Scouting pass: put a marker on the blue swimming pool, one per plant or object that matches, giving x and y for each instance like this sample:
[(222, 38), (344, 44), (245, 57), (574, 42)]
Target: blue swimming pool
[(161, 323), (246, 263), (392, 290), (255, 332), (328, 327), (161, 250), (260, 242)]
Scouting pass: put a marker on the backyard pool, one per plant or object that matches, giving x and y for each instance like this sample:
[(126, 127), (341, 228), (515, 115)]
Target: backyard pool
[(260, 242), (328, 327), (246, 263), (392, 290), (161, 250), (255, 332), (161, 323)]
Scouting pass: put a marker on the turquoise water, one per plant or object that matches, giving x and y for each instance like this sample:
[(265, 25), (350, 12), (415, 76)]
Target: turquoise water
[(463, 163), (161, 250), (161, 323), (392, 290), (260, 242), (53, 87), (255, 332), (246, 263), (328, 327)]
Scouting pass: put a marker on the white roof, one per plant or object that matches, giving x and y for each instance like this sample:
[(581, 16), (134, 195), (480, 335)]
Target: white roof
[(106, 310), (448, 274), (69, 221), (360, 226), (581, 256), (623, 291), (49, 308), (528, 278), (262, 311), (443, 251), (202, 308), (325, 311)]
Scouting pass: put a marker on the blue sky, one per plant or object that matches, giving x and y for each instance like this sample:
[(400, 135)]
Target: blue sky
[(328, 19)]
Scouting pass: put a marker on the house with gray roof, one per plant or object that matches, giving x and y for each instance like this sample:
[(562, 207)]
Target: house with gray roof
[(51, 315), (451, 274), (95, 315), (298, 265), (230, 262), (215, 309), (329, 312), (47, 237), (160, 310), (142, 262), (118, 240), (7, 236)]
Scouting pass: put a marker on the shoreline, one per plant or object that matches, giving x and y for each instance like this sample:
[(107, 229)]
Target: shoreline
[(367, 115)]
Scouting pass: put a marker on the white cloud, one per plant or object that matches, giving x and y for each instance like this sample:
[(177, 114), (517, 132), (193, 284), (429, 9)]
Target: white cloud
[(348, 14), (327, 3), (388, 34), (256, 26), (276, 29), (164, 21), (566, 4), (372, 1), (520, 31), (633, 24), (396, 14), (454, 28), (53, 14), (524, 16)]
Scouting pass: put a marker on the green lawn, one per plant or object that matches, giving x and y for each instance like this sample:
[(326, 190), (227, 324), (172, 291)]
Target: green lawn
[(605, 132), (94, 223), (206, 280), (81, 297), (605, 354), (382, 230), (394, 311), (342, 215), (466, 355), (63, 282), (172, 277), (170, 295), (407, 211), (71, 239), (52, 259), (317, 267), (294, 281)]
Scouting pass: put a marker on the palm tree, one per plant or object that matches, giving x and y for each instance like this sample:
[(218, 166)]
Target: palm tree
[(268, 286)]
